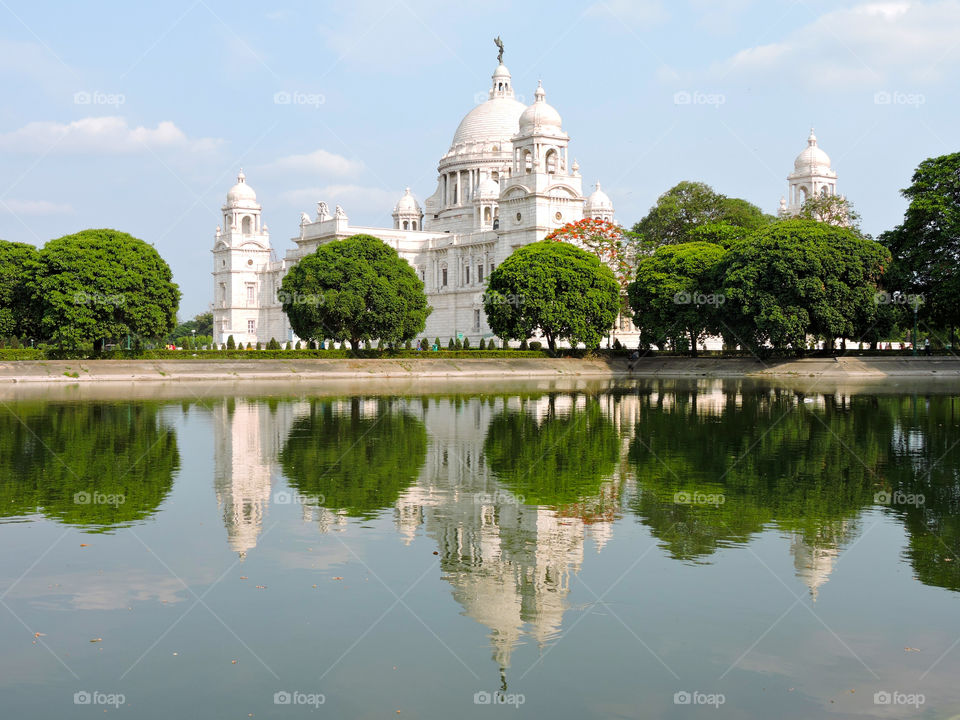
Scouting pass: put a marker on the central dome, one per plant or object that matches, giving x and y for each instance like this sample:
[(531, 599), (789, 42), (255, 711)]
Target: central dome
[(497, 119), (812, 158)]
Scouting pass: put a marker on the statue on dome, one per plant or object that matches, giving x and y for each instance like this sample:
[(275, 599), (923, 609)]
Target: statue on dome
[(499, 43)]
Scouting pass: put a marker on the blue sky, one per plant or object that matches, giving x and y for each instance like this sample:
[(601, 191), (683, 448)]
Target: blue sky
[(137, 116)]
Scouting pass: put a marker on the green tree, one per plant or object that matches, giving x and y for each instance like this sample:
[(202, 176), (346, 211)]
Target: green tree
[(926, 245), (95, 465), (556, 288), (689, 205), (101, 285), (358, 288), (18, 267), (800, 277), (677, 293), (831, 209), (231, 343), (557, 459), (354, 462)]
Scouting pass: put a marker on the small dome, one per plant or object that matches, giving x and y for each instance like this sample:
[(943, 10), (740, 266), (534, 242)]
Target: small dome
[(488, 189), (408, 204), (241, 192), (541, 116), (598, 200), (812, 157)]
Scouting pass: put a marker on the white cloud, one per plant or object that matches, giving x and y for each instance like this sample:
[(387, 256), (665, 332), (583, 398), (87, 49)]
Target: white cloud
[(630, 12), (107, 134), (35, 207), (318, 161), (363, 203), (867, 45)]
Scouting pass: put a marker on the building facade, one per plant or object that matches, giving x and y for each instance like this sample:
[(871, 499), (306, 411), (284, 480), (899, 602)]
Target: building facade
[(507, 180)]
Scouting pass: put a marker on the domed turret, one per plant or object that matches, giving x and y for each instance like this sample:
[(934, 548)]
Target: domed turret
[(812, 157), (241, 193), (541, 117), (598, 206), (495, 120), (812, 176), (488, 189), (407, 215)]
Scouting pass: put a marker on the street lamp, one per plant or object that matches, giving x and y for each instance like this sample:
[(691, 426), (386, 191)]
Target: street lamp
[(194, 339)]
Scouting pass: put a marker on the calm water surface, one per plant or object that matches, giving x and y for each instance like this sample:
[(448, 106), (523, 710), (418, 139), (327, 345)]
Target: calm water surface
[(666, 549)]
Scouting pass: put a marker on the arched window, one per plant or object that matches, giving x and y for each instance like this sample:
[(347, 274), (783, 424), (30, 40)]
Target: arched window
[(247, 225), (527, 161), (413, 225), (486, 214), (824, 191), (551, 161), (406, 225)]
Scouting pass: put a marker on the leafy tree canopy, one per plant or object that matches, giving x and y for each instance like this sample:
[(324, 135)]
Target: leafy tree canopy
[(926, 246), (18, 266), (100, 285), (556, 288), (677, 293), (689, 205), (358, 288)]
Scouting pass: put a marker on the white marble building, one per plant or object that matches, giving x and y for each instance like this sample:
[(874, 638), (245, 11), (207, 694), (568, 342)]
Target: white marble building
[(812, 176), (507, 180)]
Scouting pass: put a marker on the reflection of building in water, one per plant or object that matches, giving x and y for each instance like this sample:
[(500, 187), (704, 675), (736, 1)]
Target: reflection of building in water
[(510, 565), (814, 561), (247, 442)]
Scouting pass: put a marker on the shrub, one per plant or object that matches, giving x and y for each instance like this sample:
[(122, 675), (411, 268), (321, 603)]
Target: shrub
[(408, 345), (258, 346), (483, 344), (536, 345), (231, 343), (436, 343), (523, 344), (458, 345), (450, 345), (466, 343)]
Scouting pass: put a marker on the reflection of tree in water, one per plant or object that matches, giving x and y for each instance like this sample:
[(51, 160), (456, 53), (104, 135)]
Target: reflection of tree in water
[(51, 456), (557, 458), (359, 455), (807, 465), (926, 461)]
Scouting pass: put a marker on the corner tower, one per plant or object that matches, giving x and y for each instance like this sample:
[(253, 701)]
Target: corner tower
[(241, 254)]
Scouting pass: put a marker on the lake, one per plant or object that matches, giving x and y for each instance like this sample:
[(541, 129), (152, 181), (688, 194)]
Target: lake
[(649, 549)]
